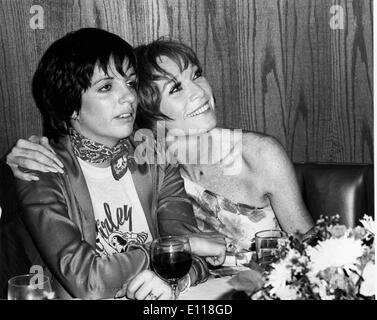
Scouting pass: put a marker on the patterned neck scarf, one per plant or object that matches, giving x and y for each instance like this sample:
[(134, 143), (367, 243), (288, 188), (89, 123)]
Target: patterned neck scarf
[(94, 152)]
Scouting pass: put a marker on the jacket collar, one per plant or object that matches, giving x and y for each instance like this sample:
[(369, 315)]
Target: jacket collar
[(80, 189), (142, 177), (145, 184)]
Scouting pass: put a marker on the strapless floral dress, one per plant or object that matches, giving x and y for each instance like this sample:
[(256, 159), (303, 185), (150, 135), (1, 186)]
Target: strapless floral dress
[(236, 221)]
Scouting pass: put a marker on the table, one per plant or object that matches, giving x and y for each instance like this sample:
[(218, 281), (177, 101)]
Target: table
[(216, 287), (212, 289)]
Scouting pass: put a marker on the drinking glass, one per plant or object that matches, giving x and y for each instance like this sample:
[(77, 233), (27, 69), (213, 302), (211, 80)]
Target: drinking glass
[(266, 245), (29, 287), (171, 259)]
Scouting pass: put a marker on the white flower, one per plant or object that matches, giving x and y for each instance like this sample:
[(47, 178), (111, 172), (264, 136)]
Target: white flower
[(367, 287), (280, 274), (285, 293), (341, 252), (369, 224)]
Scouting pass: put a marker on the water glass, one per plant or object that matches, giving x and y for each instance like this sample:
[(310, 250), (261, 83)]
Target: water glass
[(266, 245), (29, 287)]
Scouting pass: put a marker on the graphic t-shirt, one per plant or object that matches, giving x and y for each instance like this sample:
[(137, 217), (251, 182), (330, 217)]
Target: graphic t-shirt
[(119, 216)]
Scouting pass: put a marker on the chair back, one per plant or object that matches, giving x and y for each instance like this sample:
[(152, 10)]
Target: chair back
[(344, 189)]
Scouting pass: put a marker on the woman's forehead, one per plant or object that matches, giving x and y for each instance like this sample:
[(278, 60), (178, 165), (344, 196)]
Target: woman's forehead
[(111, 68), (172, 66)]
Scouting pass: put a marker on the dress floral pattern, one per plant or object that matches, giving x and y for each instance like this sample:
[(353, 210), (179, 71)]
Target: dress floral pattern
[(236, 221)]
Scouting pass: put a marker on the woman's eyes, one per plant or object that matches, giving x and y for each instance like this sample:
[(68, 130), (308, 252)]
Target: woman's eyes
[(132, 84), (105, 88), (176, 87), (197, 74)]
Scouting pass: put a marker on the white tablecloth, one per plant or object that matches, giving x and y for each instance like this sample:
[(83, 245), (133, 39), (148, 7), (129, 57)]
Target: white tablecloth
[(212, 289)]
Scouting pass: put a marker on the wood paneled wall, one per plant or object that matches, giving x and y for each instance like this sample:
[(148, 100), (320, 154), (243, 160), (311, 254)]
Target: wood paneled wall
[(276, 66)]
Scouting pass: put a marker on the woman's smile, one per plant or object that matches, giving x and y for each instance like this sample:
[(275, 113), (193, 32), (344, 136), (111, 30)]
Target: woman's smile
[(200, 110), (186, 97)]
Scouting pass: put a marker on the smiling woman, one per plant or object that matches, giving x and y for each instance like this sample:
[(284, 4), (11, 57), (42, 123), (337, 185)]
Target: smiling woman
[(172, 87), (186, 96), (262, 194)]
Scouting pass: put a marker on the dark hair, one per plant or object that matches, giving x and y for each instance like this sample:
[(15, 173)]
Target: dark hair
[(65, 72), (149, 97)]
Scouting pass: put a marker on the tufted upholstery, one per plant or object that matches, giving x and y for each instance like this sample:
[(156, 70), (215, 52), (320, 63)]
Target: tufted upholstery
[(344, 189)]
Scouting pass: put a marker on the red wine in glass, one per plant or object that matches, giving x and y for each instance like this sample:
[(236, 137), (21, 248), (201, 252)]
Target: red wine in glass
[(172, 265), (171, 259)]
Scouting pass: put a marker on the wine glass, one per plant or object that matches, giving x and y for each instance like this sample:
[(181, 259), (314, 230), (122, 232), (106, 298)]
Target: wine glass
[(30, 287), (171, 259)]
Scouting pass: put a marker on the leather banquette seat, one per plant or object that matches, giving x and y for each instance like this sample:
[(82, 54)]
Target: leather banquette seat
[(344, 189)]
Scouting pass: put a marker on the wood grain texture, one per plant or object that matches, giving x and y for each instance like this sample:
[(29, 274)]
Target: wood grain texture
[(275, 66)]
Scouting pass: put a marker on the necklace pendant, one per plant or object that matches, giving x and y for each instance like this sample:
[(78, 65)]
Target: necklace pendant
[(119, 166)]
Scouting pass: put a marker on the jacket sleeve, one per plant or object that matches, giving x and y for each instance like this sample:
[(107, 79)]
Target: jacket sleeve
[(176, 217), (72, 260)]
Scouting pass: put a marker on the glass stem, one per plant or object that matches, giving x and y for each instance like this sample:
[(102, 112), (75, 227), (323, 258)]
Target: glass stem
[(174, 288)]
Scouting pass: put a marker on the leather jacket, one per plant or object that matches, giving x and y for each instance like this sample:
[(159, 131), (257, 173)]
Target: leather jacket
[(58, 214)]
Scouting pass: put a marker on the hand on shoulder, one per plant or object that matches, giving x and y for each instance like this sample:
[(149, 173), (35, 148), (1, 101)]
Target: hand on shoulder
[(35, 153)]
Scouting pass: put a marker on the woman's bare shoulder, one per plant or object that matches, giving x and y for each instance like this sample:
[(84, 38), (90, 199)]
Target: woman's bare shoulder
[(250, 139), (259, 145)]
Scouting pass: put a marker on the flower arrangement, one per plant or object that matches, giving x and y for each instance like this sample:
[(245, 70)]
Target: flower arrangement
[(336, 263)]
